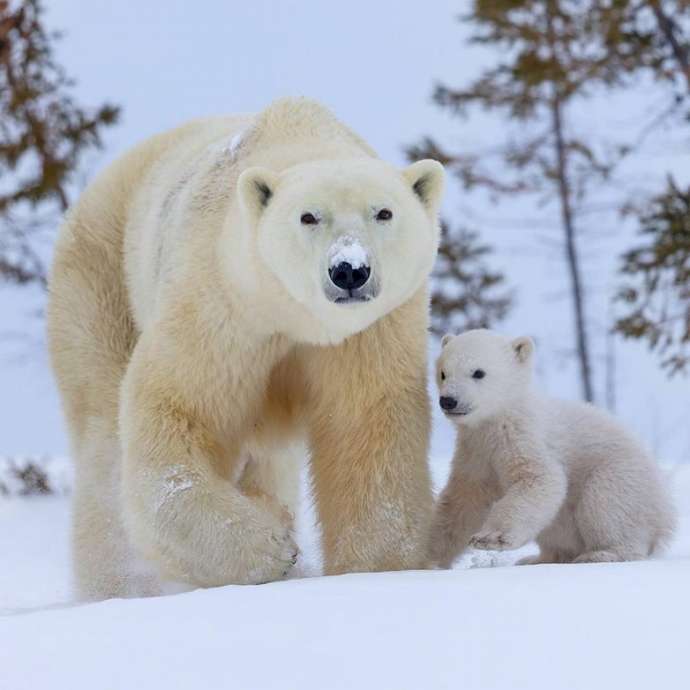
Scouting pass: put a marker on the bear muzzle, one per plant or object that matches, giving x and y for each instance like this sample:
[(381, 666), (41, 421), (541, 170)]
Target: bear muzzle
[(348, 285), (350, 275), (451, 406)]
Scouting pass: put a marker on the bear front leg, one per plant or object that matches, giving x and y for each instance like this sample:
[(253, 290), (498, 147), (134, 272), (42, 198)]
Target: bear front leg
[(180, 511), (369, 432)]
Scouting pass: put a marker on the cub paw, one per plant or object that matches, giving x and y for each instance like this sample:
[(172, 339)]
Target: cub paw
[(495, 540)]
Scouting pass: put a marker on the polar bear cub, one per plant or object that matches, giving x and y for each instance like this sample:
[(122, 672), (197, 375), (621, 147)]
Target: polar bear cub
[(530, 467)]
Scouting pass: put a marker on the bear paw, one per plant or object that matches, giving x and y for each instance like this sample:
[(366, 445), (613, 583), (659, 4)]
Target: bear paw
[(212, 547), (272, 551), (271, 560)]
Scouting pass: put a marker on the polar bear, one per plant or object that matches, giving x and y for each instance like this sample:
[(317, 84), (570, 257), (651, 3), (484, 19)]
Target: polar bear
[(530, 467), (224, 295)]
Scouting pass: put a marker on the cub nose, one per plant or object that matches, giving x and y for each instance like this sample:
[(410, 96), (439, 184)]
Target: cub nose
[(448, 403), (346, 277)]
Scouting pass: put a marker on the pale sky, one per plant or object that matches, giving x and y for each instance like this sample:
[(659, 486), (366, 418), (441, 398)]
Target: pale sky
[(374, 64)]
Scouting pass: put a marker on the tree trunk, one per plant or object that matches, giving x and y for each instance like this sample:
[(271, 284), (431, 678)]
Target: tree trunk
[(572, 257), (611, 360), (668, 28), (564, 195)]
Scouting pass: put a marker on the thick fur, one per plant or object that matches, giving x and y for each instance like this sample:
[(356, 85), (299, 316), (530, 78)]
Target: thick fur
[(197, 351), (530, 467)]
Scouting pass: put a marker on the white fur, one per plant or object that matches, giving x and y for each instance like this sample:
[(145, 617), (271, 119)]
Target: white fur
[(347, 249), (530, 467), (197, 348)]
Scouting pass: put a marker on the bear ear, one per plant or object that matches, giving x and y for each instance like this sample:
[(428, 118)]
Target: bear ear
[(427, 179), (255, 187), (523, 348), (446, 339)]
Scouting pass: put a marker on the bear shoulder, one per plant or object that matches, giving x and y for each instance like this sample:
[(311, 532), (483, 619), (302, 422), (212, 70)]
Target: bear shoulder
[(290, 120)]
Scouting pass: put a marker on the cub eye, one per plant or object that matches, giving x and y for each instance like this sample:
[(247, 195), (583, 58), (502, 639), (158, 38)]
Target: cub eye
[(443, 376), (309, 219), (384, 214), (478, 374)]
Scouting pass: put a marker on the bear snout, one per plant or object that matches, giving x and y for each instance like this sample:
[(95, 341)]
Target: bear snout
[(346, 277), (452, 407), (447, 403), (351, 277)]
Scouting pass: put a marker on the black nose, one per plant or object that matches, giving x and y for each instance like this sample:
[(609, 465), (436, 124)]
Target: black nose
[(448, 403), (348, 278)]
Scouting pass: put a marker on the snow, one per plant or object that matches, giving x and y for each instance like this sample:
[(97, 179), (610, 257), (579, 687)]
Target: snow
[(347, 249), (34, 555), (176, 480), (483, 624), (234, 144)]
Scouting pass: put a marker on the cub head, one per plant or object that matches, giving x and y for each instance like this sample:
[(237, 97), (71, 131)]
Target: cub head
[(481, 373), (349, 240)]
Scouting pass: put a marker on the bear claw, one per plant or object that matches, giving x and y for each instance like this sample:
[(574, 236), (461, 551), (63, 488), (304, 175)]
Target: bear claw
[(492, 541)]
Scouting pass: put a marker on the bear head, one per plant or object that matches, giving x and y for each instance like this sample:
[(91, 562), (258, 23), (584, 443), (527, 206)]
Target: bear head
[(481, 374), (348, 240)]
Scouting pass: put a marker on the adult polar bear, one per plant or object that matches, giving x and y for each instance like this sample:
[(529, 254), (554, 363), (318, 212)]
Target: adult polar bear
[(218, 294)]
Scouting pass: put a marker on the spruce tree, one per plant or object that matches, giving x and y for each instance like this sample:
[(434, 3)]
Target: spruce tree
[(656, 293)]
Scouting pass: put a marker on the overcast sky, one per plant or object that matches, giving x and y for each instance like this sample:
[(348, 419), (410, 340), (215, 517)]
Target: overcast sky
[(374, 64)]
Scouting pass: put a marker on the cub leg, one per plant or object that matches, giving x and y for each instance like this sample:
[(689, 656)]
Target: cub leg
[(460, 511), (535, 490), (611, 555), (613, 527)]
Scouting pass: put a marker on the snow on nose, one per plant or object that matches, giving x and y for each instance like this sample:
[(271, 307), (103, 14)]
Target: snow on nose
[(348, 250)]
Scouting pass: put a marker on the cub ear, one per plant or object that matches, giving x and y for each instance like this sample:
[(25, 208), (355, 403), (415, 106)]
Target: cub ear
[(523, 348), (446, 339), (427, 179), (255, 187)]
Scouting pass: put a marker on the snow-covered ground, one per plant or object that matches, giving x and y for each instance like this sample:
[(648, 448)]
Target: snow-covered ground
[(484, 624)]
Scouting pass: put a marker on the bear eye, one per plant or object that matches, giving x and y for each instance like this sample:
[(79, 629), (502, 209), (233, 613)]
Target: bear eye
[(384, 214), (443, 376), (478, 374), (309, 219)]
